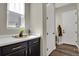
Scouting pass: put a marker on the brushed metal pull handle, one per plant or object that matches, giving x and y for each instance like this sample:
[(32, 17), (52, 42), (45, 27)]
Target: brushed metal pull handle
[(17, 48), (35, 42), (30, 50)]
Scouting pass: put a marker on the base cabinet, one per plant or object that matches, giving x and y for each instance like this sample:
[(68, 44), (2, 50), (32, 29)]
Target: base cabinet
[(34, 48), (0, 51), (26, 48)]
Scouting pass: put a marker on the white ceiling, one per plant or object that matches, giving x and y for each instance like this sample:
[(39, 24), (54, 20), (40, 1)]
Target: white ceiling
[(57, 5)]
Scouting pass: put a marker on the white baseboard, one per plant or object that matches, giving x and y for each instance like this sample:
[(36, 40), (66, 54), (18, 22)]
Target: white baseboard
[(74, 44), (51, 51), (77, 45)]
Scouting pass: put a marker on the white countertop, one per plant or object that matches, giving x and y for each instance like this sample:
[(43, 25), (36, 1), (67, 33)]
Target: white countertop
[(10, 40)]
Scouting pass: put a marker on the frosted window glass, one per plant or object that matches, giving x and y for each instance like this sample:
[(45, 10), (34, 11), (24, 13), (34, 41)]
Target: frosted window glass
[(15, 15), (16, 7)]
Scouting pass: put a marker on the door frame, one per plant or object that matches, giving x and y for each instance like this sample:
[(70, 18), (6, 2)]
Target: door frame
[(54, 27)]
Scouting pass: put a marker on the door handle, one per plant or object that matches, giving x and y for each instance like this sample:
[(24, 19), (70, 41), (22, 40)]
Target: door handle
[(47, 33), (63, 31), (53, 33), (75, 22), (76, 32)]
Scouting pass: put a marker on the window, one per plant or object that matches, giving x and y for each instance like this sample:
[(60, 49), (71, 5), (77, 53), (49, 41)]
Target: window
[(15, 15)]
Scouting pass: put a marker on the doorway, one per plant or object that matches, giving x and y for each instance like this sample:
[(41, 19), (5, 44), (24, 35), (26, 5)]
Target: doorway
[(66, 16)]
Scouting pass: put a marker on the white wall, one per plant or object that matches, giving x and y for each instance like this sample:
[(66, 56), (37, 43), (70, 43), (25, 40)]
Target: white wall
[(3, 21), (27, 16), (36, 18), (58, 20)]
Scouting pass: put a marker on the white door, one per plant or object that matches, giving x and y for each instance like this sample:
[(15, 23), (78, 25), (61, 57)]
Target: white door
[(50, 29), (69, 20)]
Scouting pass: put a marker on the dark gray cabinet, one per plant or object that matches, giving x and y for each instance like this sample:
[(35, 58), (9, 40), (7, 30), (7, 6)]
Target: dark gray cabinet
[(0, 51), (21, 52), (14, 49), (34, 47), (30, 48)]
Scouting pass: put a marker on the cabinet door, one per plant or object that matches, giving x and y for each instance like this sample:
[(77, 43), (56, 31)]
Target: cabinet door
[(34, 50), (0, 51)]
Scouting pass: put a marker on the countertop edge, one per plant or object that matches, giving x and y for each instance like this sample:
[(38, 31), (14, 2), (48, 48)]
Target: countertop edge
[(18, 41)]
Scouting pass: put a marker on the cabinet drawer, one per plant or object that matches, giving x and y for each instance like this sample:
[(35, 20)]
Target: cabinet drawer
[(21, 52), (13, 47), (34, 41)]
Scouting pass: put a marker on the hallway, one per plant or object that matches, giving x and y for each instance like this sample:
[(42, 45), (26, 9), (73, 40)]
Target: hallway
[(65, 50)]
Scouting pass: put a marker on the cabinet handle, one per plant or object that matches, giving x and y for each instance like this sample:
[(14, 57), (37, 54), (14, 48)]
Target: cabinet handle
[(30, 50), (17, 48), (35, 42)]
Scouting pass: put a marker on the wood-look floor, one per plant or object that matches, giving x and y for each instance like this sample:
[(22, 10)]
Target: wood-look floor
[(65, 50)]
